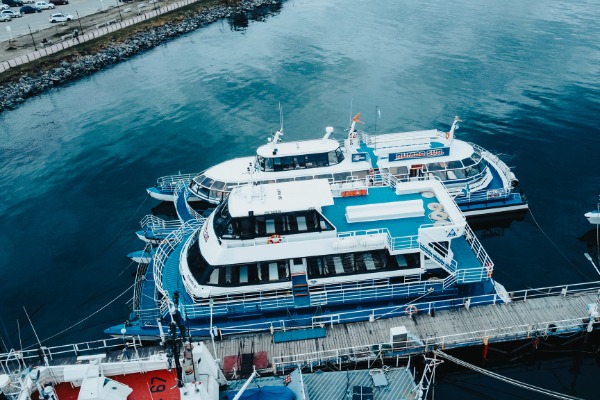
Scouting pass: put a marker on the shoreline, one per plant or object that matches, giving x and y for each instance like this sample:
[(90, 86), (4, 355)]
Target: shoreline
[(39, 76)]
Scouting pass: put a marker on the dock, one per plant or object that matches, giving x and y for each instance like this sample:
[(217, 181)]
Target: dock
[(530, 314)]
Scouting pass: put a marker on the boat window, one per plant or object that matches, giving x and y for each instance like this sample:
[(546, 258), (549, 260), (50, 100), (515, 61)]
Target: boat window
[(454, 164), (218, 185), (435, 167), (457, 174), (324, 176), (360, 174), (468, 161), (340, 155), (287, 163), (222, 221), (260, 163), (300, 161), (269, 165), (471, 171), (207, 182), (349, 263), (476, 156), (277, 165), (199, 179), (481, 165), (332, 158), (304, 178), (341, 177), (284, 180)]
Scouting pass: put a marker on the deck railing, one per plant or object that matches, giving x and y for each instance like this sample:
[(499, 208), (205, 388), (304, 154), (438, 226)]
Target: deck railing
[(422, 345), (170, 182), (162, 253), (67, 350)]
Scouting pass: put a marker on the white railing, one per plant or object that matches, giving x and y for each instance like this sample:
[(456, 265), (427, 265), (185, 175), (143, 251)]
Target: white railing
[(68, 350), (159, 225), (421, 345), (181, 188), (170, 182), (164, 250), (503, 168)]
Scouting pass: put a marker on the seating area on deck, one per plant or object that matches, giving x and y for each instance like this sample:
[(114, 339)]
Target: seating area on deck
[(362, 208)]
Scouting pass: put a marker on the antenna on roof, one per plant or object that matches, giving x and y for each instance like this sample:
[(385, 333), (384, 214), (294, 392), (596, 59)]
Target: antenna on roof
[(279, 133), (280, 118)]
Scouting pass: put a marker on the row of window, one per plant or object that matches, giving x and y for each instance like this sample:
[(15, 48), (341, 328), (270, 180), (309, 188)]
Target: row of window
[(302, 161), (208, 188), (279, 270), (446, 171), (251, 226)]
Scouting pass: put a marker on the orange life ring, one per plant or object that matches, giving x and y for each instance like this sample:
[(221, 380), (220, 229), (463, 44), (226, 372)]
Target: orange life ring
[(447, 135), (371, 171), (353, 135), (410, 310), (274, 239)]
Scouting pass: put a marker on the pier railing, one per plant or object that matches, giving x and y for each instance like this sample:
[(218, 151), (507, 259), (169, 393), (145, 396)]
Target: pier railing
[(414, 345), (424, 345)]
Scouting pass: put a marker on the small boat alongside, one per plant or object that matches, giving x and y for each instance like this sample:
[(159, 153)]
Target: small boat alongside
[(292, 255), (593, 217), (480, 182), (126, 368)]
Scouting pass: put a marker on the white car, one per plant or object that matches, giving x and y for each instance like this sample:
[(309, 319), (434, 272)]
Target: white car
[(42, 5), (4, 6), (60, 17), (11, 13), (4, 18)]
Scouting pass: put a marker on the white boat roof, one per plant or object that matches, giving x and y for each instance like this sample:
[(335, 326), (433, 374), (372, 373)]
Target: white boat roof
[(297, 148), (280, 197)]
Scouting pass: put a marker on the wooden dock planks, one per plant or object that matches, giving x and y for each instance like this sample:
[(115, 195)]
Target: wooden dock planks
[(500, 322)]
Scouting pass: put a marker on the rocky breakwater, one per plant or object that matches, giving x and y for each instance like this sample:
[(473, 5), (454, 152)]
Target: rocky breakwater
[(14, 93)]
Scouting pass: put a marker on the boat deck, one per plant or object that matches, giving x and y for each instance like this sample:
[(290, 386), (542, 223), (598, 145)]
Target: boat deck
[(398, 227), (552, 313)]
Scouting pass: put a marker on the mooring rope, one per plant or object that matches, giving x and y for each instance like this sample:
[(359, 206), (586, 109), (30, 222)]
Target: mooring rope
[(89, 316), (511, 381), (553, 244)]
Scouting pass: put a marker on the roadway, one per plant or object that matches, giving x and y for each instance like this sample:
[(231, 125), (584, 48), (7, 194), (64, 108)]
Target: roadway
[(39, 21)]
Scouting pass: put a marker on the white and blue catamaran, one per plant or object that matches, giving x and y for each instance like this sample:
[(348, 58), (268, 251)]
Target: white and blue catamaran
[(479, 181), (299, 254)]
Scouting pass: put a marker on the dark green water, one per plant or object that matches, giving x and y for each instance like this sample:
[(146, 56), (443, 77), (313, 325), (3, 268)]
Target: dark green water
[(523, 76)]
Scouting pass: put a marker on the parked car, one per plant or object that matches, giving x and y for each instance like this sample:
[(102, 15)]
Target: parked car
[(4, 7), (59, 2), (60, 17), (29, 10), (13, 3), (4, 18), (11, 13), (42, 5)]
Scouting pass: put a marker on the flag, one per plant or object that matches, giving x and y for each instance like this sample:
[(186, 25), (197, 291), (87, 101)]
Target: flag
[(356, 119), (287, 379), (466, 190)]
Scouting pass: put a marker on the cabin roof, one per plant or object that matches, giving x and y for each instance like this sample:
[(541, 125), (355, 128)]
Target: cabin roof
[(280, 197), (297, 148)]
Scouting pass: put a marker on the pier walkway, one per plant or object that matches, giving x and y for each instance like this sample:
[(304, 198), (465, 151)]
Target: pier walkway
[(531, 313)]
